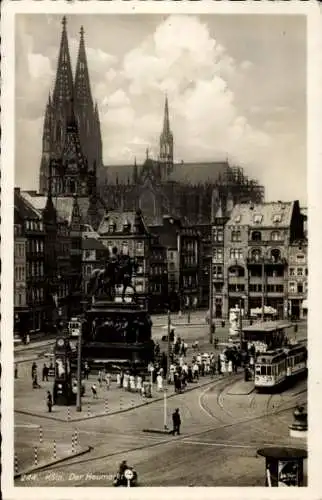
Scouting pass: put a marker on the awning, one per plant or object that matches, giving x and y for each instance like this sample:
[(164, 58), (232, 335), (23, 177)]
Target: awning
[(305, 304)]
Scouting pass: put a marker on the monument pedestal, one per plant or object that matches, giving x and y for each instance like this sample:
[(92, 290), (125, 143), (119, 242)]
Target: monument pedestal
[(299, 427)]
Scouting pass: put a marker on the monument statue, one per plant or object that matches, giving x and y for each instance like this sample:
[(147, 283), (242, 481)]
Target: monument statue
[(118, 270)]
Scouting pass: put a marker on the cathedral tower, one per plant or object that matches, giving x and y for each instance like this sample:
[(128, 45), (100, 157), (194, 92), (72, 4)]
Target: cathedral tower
[(57, 113), (166, 145)]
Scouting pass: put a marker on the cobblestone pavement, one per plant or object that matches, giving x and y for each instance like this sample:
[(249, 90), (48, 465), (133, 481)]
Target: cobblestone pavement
[(217, 447)]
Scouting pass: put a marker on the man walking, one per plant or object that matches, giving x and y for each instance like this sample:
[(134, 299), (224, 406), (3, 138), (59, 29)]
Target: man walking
[(49, 401), (176, 421)]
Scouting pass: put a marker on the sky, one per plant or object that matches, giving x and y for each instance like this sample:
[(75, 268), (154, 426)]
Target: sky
[(236, 87)]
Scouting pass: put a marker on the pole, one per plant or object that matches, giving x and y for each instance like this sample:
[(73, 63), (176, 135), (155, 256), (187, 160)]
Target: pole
[(240, 323), (210, 301), (169, 346), (165, 416), (263, 290), (79, 372)]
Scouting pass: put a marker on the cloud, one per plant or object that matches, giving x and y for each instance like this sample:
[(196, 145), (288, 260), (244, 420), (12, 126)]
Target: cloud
[(218, 103)]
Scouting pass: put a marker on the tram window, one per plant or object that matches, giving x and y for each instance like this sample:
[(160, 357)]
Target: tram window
[(263, 370), (258, 370), (269, 370)]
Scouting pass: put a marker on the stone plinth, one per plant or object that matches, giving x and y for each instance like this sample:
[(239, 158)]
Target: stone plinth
[(299, 428)]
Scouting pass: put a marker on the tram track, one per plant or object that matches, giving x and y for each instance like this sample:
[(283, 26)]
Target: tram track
[(222, 424)]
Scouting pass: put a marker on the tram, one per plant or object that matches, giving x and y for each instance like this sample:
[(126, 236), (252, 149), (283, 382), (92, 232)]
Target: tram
[(266, 336), (275, 368)]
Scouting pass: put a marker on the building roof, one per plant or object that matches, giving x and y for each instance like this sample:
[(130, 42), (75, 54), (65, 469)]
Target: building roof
[(167, 238), (272, 214), (25, 209), (119, 219), (93, 244), (63, 204)]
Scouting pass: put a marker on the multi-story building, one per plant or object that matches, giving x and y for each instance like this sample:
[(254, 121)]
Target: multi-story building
[(168, 235), (20, 285), (189, 258), (218, 229), (158, 279), (257, 239), (298, 279), (128, 233), (33, 230), (94, 256)]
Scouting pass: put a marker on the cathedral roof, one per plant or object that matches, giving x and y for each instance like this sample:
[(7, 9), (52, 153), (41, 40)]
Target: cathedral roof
[(184, 173)]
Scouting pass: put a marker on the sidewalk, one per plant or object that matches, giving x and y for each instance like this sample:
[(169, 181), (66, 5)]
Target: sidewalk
[(109, 402), (34, 345)]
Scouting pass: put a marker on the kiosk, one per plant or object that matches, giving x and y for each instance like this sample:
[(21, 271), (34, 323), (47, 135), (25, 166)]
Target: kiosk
[(62, 392), (283, 466)]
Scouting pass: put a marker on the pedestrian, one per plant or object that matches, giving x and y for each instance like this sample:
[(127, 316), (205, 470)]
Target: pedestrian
[(27, 339), (86, 370), (139, 383), (108, 380), (94, 391), (230, 367), (45, 373), (16, 370), (159, 382), (35, 384), (33, 370), (49, 401), (99, 378), (118, 380), (176, 421), (195, 371)]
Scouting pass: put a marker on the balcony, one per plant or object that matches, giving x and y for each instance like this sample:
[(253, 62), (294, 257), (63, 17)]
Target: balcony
[(274, 280), (236, 280)]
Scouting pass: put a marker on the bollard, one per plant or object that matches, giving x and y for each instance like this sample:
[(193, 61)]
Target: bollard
[(54, 451), (121, 404), (88, 410), (76, 438), (36, 455), (106, 406), (73, 444), (132, 402), (16, 464), (68, 413)]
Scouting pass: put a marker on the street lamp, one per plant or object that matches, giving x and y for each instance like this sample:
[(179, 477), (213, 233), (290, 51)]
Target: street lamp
[(211, 302)]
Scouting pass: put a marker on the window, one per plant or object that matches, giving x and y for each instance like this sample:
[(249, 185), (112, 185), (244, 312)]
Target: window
[(306, 271), (258, 218), (171, 266), (218, 235), (171, 257), (139, 245), (255, 288), (300, 257), (300, 288), (292, 287), (236, 288), (276, 236), (275, 255), (235, 236), (218, 272), (292, 271), (236, 253), (256, 236), (238, 218), (300, 271), (277, 218), (256, 254), (218, 254)]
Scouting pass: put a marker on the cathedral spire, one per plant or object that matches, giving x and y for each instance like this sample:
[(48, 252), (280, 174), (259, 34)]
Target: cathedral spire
[(83, 94), (166, 121), (64, 77), (135, 172)]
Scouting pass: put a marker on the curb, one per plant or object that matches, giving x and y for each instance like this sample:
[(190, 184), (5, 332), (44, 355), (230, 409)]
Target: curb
[(33, 345), (159, 325), (157, 431), (117, 412), (85, 450)]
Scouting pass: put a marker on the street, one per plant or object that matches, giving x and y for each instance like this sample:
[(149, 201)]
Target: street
[(222, 428)]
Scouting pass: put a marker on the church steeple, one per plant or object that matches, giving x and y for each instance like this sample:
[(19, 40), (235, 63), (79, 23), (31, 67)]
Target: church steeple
[(63, 90), (135, 172), (82, 88), (166, 143)]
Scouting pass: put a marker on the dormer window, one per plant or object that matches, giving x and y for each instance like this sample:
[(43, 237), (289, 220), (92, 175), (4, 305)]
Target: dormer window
[(238, 218), (277, 218), (112, 227), (258, 218), (126, 226)]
